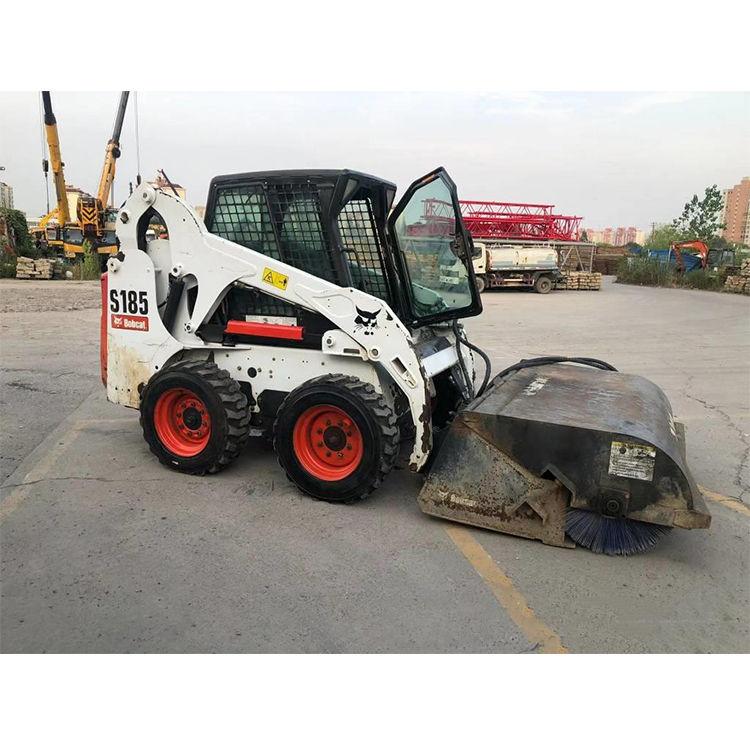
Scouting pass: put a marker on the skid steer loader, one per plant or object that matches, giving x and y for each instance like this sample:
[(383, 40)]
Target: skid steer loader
[(307, 310)]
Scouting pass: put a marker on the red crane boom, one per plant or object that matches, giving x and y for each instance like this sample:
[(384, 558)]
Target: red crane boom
[(501, 221)]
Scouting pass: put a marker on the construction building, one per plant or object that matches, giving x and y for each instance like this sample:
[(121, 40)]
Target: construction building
[(6, 195), (735, 213)]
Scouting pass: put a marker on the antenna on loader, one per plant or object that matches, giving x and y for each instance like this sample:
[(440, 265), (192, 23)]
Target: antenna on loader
[(168, 181), (137, 142)]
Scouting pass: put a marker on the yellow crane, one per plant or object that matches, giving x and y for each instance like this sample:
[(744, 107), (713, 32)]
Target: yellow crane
[(90, 222), (61, 211)]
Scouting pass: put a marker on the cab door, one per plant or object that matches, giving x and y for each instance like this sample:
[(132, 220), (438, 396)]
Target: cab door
[(433, 252)]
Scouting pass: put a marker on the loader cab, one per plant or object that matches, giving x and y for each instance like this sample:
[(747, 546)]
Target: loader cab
[(335, 224)]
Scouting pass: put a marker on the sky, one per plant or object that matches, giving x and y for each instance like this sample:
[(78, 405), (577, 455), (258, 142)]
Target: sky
[(617, 159)]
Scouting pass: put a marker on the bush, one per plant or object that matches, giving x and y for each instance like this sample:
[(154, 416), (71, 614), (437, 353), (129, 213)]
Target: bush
[(710, 280), (653, 272), (86, 268), (645, 272), (16, 222), (8, 269)]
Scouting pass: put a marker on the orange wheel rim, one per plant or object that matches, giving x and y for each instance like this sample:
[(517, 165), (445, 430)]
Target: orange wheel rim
[(327, 443), (182, 423)]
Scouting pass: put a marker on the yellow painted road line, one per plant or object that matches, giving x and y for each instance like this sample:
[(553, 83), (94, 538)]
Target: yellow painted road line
[(506, 593), (39, 470), (730, 502)]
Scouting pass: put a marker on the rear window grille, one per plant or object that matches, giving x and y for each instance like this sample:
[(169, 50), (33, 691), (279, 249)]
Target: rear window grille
[(304, 244), (358, 233), (242, 216)]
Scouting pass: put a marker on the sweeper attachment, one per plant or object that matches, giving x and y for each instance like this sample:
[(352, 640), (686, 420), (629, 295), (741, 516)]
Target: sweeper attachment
[(567, 454), (306, 311)]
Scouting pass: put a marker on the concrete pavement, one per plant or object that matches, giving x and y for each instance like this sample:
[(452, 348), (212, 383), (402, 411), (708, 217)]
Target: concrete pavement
[(105, 550)]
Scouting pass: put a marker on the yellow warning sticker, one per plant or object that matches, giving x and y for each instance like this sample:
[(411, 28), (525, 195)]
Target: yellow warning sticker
[(275, 278)]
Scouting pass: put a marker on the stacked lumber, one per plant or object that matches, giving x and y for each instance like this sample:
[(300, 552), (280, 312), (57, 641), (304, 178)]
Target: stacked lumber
[(42, 268), (580, 281), (607, 258), (739, 283)]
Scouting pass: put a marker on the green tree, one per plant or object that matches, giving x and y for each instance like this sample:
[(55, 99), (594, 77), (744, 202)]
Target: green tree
[(584, 236), (700, 219), (663, 236), (720, 243), (16, 221), (91, 268)]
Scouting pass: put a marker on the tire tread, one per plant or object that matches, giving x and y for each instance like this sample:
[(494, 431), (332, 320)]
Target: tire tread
[(377, 406), (235, 408)]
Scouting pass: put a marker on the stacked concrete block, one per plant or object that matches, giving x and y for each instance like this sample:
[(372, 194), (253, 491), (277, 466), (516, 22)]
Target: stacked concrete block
[(739, 283), (41, 268), (580, 281)]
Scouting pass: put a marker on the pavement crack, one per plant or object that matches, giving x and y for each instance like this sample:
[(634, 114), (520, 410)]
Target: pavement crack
[(105, 480), (29, 387), (744, 464)]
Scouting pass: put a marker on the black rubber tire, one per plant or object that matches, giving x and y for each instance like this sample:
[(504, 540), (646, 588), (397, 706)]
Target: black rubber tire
[(543, 285), (481, 284), (374, 418), (226, 405)]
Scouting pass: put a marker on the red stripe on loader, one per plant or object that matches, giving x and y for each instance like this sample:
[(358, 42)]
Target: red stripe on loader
[(268, 330)]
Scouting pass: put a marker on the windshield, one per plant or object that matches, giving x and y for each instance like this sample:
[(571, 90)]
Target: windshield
[(438, 281)]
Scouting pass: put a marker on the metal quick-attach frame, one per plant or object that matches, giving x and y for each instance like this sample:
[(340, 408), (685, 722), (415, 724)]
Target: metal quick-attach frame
[(136, 351)]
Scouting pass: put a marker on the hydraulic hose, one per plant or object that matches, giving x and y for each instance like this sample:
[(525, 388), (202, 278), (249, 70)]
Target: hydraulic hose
[(487, 364), (553, 360)]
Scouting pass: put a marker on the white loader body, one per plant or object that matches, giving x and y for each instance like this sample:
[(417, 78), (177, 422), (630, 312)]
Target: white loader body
[(139, 346)]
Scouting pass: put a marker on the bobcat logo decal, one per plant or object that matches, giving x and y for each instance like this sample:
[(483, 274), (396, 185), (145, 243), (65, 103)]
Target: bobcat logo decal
[(367, 321)]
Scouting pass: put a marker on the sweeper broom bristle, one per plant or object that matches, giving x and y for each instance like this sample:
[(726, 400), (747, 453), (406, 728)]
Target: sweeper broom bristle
[(612, 536)]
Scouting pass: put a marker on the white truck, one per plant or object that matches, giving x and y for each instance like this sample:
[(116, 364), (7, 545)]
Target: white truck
[(534, 266)]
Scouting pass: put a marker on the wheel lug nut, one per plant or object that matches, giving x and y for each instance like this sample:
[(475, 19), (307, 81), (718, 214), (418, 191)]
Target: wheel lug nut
[(183, 406), (320, 445), (348, 447), (328, 421), (320, 432), (341, 424), (328, 453), (349, 434), (179, 413), (340, 455), (190, 434)]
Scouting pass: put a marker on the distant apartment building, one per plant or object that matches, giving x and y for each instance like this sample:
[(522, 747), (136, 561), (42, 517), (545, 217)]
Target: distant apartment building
[(623, 236), (735, 212), (619, 236), (6, 195), (200, 210)]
